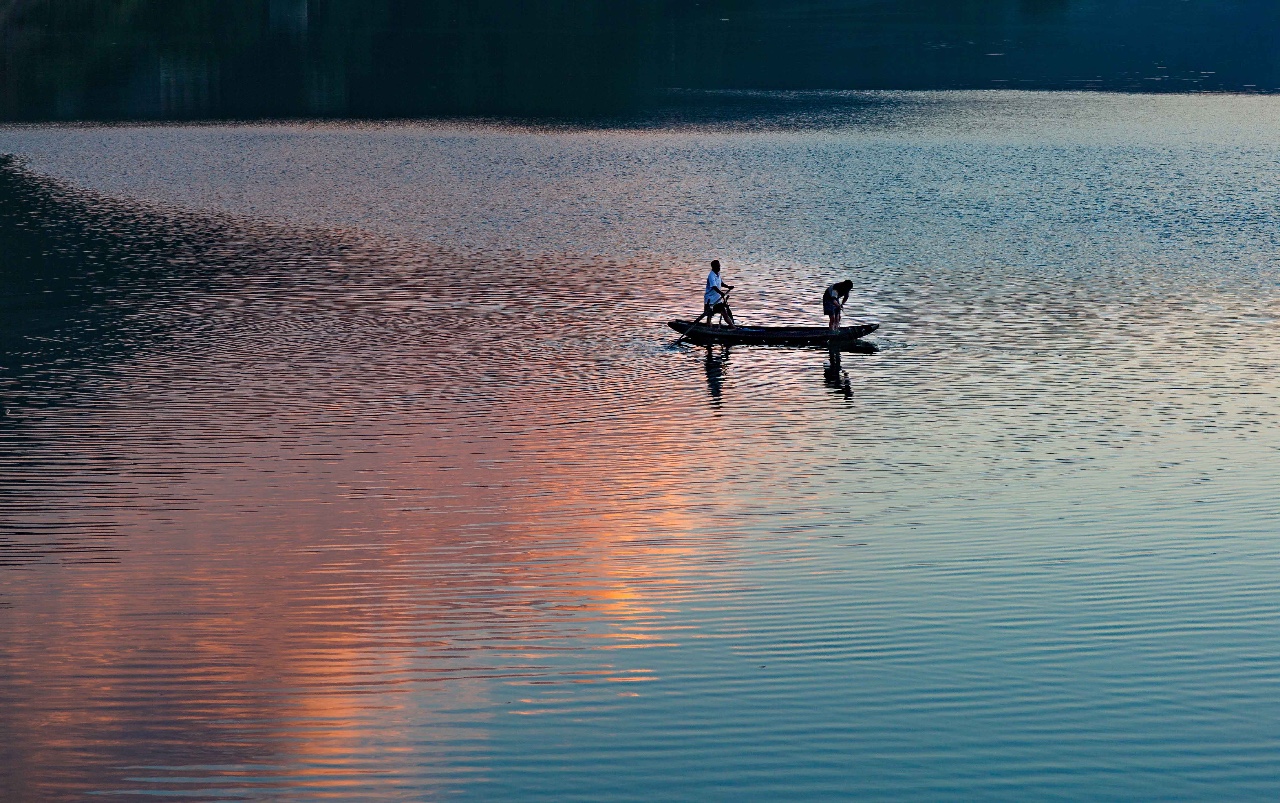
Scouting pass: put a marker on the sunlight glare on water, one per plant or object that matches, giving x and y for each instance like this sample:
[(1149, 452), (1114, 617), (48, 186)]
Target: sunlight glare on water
[(366, 467)]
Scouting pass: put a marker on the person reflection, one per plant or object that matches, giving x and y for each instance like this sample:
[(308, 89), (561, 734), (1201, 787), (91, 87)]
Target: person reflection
[(833, 375), (714, 366)]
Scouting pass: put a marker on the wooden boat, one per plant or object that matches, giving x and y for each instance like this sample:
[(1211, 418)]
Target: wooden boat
[(772, 335)]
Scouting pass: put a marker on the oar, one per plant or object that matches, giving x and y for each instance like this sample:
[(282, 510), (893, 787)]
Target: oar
[(681, 338), (724, 298)]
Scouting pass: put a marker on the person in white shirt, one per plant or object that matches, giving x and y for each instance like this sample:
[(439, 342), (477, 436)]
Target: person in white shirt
[(713, 299)]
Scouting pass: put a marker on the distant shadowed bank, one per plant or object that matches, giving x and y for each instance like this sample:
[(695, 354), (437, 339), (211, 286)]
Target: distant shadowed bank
[(205, 59)]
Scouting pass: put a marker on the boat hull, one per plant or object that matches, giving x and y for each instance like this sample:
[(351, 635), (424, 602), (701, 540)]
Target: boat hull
[(772, 335)]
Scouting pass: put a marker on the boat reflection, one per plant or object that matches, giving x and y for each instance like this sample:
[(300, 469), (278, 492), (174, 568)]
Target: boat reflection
[(834, 377)]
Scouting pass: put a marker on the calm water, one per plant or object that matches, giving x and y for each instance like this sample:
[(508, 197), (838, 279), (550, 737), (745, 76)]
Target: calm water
[(355, 462)]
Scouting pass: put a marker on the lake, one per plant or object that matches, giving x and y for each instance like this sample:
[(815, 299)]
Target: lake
[(355, 460)]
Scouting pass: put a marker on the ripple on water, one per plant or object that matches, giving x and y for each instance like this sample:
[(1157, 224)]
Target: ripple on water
[(375, 519)]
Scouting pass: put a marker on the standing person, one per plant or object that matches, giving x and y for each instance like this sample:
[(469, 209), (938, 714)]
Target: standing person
[(833, 301), (715, 294)]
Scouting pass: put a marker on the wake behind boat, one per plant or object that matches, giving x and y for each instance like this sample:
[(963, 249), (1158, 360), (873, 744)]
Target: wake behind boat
[(772, 335)]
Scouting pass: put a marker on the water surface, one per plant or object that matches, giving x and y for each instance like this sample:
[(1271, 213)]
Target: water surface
[(357, 462)]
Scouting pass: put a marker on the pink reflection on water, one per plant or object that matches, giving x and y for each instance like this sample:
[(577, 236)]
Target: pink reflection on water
[(319, 611)]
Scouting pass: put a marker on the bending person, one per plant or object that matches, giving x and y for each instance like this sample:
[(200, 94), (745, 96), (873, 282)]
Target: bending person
[(713, 299), (833, 301)]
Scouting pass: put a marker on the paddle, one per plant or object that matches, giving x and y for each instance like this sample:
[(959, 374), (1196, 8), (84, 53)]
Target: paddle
[(724, 299)]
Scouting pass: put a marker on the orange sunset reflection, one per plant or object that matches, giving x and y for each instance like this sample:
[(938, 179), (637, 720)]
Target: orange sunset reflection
[(346, 629)]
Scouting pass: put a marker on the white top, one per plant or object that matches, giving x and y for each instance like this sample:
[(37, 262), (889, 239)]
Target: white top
[(713, 294)]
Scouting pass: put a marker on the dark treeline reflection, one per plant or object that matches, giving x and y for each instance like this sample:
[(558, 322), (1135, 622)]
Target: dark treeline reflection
[(107, 59), (69, 284), (86, 281)]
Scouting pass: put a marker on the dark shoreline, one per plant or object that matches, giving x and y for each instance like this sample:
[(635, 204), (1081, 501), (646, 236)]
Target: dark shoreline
[(595, 59)]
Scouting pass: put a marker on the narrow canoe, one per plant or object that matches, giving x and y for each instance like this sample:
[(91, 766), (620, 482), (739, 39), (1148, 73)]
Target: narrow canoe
[(772, 335)]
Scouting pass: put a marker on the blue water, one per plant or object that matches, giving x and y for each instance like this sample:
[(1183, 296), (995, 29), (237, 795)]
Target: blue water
[(364, 466)]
